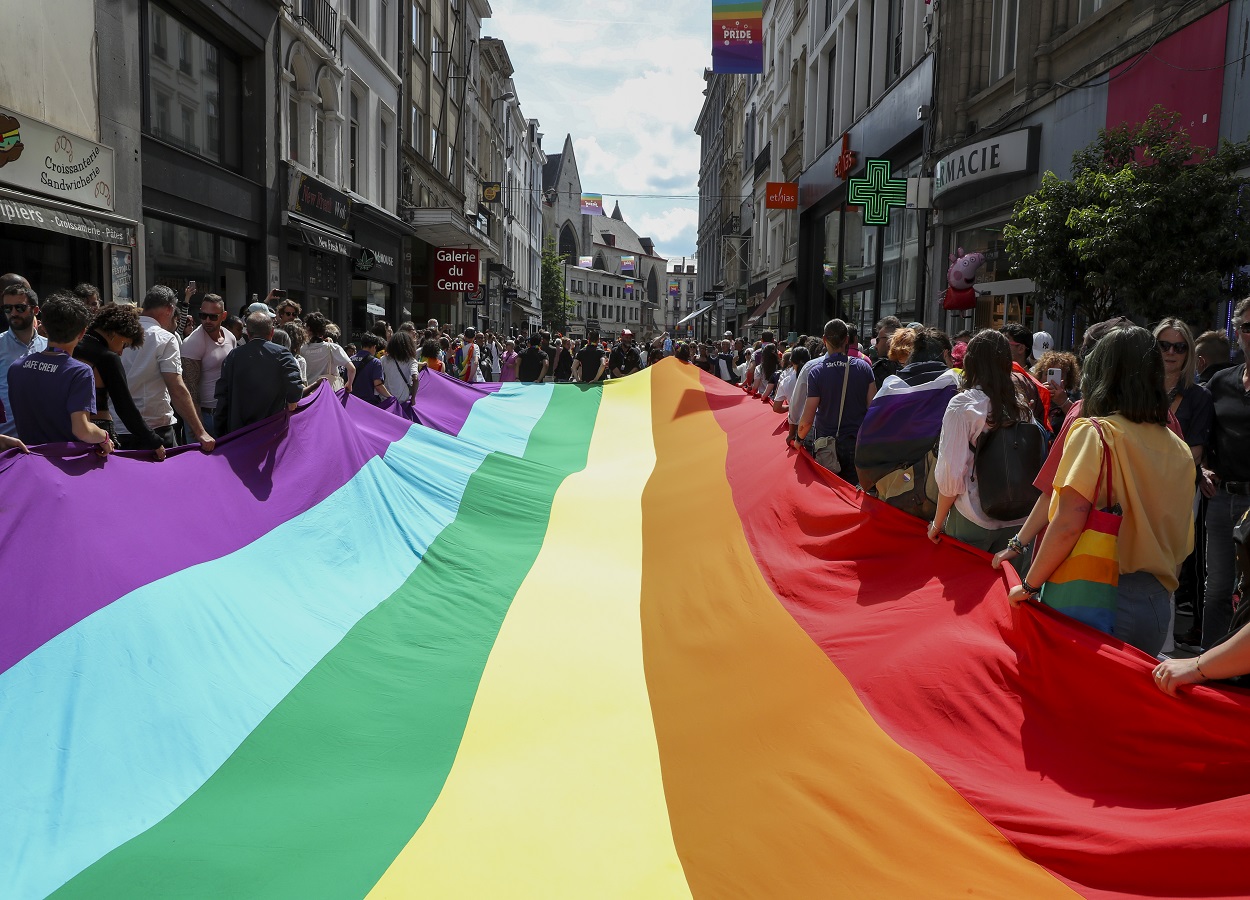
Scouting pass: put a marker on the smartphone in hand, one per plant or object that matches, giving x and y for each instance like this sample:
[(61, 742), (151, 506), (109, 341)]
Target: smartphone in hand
[(1055, 377)]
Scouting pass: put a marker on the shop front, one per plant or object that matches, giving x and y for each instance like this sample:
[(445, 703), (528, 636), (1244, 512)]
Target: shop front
[(375, 274), (861, 257), (320, 252), (57, 224), (975, 188)]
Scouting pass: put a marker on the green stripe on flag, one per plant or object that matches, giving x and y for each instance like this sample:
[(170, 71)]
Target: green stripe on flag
[(328, 789)]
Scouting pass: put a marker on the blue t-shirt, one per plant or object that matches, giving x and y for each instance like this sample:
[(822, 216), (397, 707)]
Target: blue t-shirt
[(825, 381), (45, 388), (368, 370), (11, 350)]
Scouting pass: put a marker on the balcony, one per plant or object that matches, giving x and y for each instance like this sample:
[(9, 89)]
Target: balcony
[(763, 161), (320, 17)]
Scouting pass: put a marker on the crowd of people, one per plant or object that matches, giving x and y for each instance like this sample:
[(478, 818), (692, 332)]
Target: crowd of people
[(994, 437), (1000, 440)]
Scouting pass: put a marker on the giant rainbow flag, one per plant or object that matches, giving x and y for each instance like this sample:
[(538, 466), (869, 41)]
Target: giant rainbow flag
[(554, 641)]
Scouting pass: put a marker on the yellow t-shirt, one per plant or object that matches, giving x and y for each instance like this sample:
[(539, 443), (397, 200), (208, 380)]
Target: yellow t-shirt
[(1153, 482)]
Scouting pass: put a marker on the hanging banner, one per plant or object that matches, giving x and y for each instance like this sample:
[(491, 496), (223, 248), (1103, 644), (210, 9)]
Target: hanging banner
[(585, 262), (738, 37), (782, 195), (674, 287), (592, 204), (627, 263), (629, 290)]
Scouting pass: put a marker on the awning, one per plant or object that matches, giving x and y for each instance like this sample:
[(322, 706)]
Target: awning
[(321, 238), (446, 228), (65, 218), (1003, 288), (773, 296), (696, 314)]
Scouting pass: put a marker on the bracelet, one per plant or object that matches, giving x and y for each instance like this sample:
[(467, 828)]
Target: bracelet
[(1198, 666), (1015, 545), (1029, 589)]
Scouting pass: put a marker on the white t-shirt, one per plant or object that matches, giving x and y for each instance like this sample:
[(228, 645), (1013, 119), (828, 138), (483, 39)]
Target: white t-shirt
[(962, 425), (145, 368), (211, 355), (398, 377), (786, 385), (798, 393), (324, 360)]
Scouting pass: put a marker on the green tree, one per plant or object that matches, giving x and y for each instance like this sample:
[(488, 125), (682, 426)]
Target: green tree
[(557, 307), (1148, 226)]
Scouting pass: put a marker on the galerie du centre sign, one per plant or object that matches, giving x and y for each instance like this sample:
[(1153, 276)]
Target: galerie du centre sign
[(457, 269)]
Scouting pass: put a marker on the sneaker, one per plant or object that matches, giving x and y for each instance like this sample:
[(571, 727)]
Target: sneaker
[(1191, 639)]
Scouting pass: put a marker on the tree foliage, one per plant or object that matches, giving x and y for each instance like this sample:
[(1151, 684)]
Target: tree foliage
[(1148, 226), (557, 307)]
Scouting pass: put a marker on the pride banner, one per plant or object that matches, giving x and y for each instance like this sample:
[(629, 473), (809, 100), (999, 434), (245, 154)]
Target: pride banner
[(627, 263), (592, 204), (674, 287), (738, 36), (360, 682), (629, 289), (585, 262)]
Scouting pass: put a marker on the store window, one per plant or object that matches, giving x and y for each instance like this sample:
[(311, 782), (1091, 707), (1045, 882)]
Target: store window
[(1005, 299), (177, 254), (209, 100)]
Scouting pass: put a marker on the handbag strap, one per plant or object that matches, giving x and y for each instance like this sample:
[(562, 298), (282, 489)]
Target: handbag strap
[(846, 380), (1106, 459)]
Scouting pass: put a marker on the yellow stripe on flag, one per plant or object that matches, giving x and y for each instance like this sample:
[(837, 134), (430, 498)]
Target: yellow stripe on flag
[(556, 789)]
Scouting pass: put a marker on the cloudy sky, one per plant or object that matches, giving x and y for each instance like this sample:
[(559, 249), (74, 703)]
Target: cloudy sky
[(625, 79)]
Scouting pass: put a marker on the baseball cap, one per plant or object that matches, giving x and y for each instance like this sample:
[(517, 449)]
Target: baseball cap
[(1042, 342), (259, 307), (625, 332)]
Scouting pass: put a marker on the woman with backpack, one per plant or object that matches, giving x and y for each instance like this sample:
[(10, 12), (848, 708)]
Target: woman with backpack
[(988, 403), (1123, 440)]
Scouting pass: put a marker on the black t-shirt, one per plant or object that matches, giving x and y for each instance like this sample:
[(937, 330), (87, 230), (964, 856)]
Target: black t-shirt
[(591, 357), (624, 358), (564, 365), (530, 366), (1230, 435)]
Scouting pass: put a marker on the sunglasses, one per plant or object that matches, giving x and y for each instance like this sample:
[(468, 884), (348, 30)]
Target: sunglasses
[(210, 317), (19, 308), (1177, 347), (287, 313)]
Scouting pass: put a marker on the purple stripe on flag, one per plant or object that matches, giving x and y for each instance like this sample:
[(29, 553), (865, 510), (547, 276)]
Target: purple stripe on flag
[(81, 550), (444, 403)]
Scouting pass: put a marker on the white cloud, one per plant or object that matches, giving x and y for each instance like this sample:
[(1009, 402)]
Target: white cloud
[(627, 85)]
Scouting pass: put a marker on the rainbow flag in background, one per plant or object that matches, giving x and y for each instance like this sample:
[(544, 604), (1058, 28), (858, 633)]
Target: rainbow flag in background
[(592, 204), (738, 36), (415, 659)]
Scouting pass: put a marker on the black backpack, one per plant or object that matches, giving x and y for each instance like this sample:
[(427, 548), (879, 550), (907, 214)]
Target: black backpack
[(1006, 460)]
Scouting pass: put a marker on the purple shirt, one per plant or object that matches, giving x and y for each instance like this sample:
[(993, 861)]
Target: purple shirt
[(368, 371), (825, 381), (45, 389)]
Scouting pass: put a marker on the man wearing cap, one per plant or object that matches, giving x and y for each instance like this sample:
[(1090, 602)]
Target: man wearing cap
[(1020, 339), (625, 359)]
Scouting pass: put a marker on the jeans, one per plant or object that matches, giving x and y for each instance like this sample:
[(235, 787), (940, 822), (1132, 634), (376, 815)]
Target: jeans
[(1223, 511), (962, 528), (210, 425), (1143, 612)]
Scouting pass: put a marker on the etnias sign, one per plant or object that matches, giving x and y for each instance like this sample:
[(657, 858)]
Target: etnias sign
[(457, 269), (37, 157), (1004, 156), (782, 195)]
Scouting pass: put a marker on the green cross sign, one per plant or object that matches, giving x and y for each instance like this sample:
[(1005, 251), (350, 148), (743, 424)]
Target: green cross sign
[(877, 192)]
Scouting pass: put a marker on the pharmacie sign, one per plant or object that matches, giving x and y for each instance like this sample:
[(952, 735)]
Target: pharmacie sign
[(1000, 158), (457, 269), (37, 157)]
